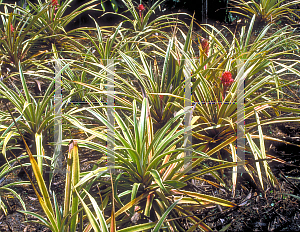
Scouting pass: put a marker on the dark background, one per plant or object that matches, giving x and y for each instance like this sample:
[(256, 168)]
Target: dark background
[(217, 10)]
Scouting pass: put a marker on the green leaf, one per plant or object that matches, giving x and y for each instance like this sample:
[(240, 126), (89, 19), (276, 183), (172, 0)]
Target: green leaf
[(140, 227), (91, 217), (161, 220), (114, 5), (158, 179), (292, 195), (39, 149), (175, 183), (103, 7), (206, 198)]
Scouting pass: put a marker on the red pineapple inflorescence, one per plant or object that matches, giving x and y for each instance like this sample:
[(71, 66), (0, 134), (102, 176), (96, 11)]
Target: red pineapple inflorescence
[(205, 45), (141, 8), (226, 78), (54, 2)]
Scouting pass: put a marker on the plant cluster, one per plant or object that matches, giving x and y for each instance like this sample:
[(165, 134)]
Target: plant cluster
[(268, 11), (162, 104)]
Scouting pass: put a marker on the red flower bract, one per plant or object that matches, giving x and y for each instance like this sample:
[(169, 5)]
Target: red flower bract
[(141, 7), (226, 78), (205, 45), (54, 2), (12, 28)]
